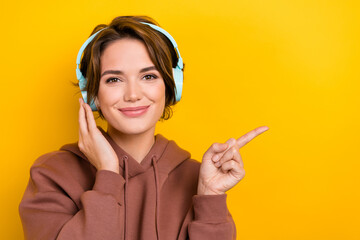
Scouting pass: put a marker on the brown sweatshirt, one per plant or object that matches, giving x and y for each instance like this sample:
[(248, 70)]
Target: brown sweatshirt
[(67, 198)]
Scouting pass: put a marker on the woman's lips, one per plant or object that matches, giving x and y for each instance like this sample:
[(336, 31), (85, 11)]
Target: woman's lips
[(134, 111)]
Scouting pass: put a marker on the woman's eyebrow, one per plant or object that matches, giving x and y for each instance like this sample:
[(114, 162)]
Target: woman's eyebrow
[(120, 72)]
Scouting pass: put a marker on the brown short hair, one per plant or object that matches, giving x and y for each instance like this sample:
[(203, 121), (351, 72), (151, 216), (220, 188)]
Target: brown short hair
[(159, 47)]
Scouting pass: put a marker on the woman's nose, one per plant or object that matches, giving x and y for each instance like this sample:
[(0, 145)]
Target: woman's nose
[(132, 92)]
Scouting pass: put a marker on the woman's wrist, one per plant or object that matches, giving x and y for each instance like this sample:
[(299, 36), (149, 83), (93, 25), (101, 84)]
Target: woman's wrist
[(203, 190), (109, 168)]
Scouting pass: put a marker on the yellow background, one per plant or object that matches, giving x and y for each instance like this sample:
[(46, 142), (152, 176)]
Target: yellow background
[(290, 65)]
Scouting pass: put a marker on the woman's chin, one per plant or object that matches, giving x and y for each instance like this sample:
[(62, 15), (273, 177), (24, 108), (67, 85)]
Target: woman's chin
[(133, 129)]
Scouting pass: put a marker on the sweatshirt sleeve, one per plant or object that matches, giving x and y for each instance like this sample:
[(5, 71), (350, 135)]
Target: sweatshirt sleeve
[(48, 212), (212, 220)]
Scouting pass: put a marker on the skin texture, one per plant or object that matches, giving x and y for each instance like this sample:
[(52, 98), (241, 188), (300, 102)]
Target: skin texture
[(222, 166)]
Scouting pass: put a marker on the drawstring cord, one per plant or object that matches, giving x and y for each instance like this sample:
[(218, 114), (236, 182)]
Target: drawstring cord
[(153, 159), (125, 158)]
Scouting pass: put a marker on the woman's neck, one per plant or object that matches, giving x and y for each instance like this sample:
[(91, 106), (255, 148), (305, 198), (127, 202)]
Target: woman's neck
[(137, 145)]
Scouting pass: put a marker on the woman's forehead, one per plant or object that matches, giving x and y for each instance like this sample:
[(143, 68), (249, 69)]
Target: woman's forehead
[(125, 54)]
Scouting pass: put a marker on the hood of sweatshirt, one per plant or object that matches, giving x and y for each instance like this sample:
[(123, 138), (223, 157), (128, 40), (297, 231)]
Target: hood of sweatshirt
[(163, 157)]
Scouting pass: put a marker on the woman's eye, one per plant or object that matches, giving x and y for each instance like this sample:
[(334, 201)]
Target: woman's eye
[(110, 80), (150, 77)]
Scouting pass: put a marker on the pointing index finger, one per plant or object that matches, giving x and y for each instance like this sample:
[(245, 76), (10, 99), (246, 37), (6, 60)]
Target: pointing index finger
[(243, 140)]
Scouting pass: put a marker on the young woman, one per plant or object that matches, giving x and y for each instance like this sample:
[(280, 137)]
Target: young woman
[(126, 183)]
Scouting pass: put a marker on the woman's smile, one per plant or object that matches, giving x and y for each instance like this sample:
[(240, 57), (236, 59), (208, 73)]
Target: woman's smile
[(134, 111)]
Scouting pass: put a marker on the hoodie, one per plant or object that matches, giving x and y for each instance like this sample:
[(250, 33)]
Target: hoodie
[(67, 198)]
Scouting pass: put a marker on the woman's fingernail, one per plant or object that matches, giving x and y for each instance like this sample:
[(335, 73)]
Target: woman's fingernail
[(216, 158)]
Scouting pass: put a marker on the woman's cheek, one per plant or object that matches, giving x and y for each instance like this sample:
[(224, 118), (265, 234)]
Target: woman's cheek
[(109, 96)]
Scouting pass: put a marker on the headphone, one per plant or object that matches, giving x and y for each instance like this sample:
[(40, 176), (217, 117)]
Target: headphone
[(177, 71)]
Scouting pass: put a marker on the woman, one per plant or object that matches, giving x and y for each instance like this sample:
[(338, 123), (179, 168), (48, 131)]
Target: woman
[(127, 183)]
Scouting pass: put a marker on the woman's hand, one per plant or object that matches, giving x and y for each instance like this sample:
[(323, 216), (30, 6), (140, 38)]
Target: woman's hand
[(92, 142), (222, 167)]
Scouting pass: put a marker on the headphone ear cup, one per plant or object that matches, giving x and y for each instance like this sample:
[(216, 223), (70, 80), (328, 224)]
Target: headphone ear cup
[(92, 104), (178, 78), (82, 85)]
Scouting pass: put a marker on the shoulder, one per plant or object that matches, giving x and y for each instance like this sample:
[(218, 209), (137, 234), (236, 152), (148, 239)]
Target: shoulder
[(188, 169), (53, 157), (182, 181), (190, 164), (61, 168), (57, 160)]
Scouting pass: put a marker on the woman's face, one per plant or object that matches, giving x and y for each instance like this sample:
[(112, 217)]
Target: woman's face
[(129, 80)]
